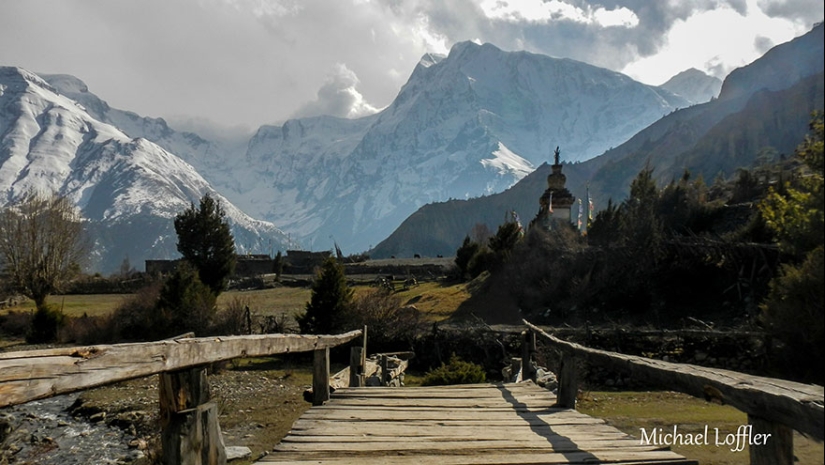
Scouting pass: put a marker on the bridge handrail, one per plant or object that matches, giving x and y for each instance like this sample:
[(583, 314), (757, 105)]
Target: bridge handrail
[(37, 374), (795, 405)]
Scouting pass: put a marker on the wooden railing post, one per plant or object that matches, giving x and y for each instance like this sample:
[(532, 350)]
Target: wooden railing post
[(568, 382), (320, 377), (190, 432), (528, 348), (356, 369), (385, 370), (776, 449)]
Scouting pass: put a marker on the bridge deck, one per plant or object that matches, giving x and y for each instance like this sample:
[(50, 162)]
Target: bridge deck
[(469, 424)]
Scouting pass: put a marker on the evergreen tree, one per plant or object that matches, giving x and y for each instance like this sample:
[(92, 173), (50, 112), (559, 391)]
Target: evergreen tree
[(330, 300), (205, 241), (464, 254)]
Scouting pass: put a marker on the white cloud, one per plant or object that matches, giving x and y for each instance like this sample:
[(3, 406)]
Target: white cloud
[(555, 10), (254, 62), (338, 97), (716, 41)]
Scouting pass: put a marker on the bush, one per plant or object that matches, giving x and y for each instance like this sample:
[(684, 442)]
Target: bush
[(793, 313), (136, 318), (45, 324), (89, 330), (390, 326), (455, 372), (15, 324), (234, 319)]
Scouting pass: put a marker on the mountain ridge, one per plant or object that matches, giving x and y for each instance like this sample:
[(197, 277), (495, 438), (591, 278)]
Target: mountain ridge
[(723, 128), (50, 143)]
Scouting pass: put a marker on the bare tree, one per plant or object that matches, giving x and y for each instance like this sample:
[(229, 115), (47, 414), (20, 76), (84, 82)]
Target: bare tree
[(41, 244)]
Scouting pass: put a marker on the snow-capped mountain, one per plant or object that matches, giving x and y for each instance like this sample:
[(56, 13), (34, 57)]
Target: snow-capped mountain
[(469, 124), (465, 125), (694, 85), (129, 189)]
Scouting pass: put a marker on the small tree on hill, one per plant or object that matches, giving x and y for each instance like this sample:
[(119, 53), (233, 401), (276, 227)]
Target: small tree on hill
[(205, 241), (331, 298)]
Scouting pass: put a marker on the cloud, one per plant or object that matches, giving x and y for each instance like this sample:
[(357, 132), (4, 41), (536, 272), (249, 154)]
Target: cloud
[(253, 62), (338, 97), (541, 11), (794, 10)]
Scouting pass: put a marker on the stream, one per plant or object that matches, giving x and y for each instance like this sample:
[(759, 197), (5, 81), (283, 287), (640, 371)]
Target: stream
[(43, 432)]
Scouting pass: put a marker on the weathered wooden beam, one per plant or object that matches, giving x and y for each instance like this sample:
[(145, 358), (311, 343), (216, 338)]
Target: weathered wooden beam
[(190, 432), (356, 368), (568, 382), (320, 377), (528, 348), (800, 406), (775, 445), (30, 375)]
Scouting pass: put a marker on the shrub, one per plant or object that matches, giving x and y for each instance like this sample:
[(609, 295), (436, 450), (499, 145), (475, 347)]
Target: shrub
[(15, 323), (234, 319), (89, 330), (390, 326), (46, 322), (136, 317), (793, 314), (455, 372)]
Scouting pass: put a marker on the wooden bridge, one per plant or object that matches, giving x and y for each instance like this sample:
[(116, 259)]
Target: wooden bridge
[(483, 424), (516, 423)]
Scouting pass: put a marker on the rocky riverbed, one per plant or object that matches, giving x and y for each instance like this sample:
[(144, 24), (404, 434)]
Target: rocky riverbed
[(54, 431), (118, 424)]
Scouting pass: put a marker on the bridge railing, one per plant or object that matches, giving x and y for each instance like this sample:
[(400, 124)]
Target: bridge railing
[(774, 406), (189, 420)]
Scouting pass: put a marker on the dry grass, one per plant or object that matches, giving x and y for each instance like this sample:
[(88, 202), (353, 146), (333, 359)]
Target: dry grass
[(436, 301), (77, 305), (631, 411)]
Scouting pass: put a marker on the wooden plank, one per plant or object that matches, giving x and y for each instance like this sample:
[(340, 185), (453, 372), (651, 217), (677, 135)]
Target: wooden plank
[(464, 446), (493, 458), (801, 406), (30, 375), (320, 376), (419, 429)]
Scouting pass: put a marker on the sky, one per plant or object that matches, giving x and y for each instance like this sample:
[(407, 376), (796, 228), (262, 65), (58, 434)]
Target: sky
[(245, 63)]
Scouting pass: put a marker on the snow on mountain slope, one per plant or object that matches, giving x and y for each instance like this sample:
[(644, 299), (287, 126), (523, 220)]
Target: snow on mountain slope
[(464, 125), (694, 85), (447, 133), (129, 189)]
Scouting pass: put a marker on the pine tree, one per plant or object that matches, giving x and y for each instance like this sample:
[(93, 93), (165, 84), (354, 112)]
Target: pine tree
[(205, 241), (330, 300)]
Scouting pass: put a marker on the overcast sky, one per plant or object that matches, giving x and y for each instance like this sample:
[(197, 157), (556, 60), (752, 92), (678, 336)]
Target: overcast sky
[(252, 62)]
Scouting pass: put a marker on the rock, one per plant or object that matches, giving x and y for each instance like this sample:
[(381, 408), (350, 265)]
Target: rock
[(546, 379), (237, 452)]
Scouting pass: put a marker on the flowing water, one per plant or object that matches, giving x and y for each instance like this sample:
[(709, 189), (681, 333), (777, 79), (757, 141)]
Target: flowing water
[(43, 432)]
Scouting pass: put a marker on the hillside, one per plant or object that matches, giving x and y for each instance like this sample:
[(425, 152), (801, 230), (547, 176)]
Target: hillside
[(756, 115)]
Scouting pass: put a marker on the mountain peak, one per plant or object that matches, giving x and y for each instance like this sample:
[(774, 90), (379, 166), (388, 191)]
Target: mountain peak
[(694, 85), (66, 83)]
